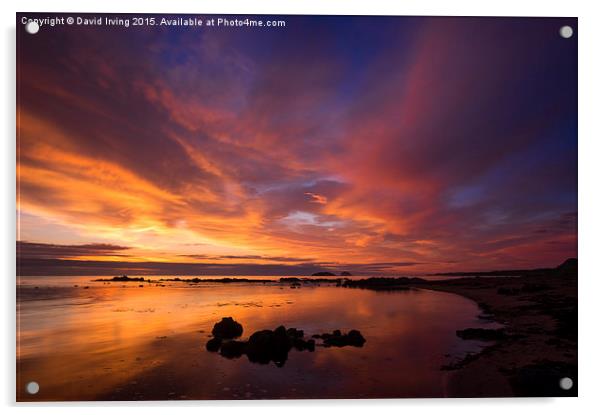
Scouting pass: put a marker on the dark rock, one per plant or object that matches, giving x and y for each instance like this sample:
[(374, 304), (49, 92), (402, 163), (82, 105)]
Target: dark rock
[(228, 328), (293, 332), (336, 338), (258, 346), (214, 344), (266, 345), (355, 338), (280, 331), (300, 344), (232, 349)]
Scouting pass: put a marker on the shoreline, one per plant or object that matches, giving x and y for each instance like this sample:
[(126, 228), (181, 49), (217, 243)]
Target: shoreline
[(539, 315)]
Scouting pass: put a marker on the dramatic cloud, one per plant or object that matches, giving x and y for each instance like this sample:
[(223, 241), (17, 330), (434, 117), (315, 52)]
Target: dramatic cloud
[(53, 251), (423, 145)]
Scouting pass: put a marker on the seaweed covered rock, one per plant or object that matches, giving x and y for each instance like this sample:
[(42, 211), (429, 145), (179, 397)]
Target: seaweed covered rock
[(228, 328)]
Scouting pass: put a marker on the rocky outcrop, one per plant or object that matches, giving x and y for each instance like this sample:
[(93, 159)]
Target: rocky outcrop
[(338, 339), (228, 328), (214, 344), (266, 346), (233, 349)]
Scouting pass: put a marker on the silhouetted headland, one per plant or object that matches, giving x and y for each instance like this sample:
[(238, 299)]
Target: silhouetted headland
[(568, 267)]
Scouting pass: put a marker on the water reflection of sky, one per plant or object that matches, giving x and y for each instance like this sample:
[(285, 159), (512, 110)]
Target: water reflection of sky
[(111, 342)]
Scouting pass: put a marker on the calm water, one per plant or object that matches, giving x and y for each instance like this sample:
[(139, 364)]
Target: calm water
[(121, 341)]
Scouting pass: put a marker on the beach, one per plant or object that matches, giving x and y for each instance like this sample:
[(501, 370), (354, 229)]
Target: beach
[(147, 338)]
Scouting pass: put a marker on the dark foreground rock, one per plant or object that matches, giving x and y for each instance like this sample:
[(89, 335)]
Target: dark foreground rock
[(266, 346), (214, 344), (338, 339), (228, 328), (232, 349)]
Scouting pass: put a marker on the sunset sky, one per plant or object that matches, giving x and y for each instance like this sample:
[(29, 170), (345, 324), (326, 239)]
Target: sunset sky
[(375, 145)]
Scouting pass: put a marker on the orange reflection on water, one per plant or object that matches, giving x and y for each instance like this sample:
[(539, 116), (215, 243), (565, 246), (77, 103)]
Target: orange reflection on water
[(120, 341)]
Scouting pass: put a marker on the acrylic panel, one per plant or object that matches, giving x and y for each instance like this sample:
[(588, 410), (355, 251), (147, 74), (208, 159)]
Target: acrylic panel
[(227, 207)]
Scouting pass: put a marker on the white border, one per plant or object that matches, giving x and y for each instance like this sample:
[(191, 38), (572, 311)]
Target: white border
[(590, 202)]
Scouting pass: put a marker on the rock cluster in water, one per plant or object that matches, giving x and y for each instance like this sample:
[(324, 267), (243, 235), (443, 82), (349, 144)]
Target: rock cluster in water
[(265, 346), (338, 339)]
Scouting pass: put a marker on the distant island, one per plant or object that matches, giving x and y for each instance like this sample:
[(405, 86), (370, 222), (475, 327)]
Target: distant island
[(323, 274)]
